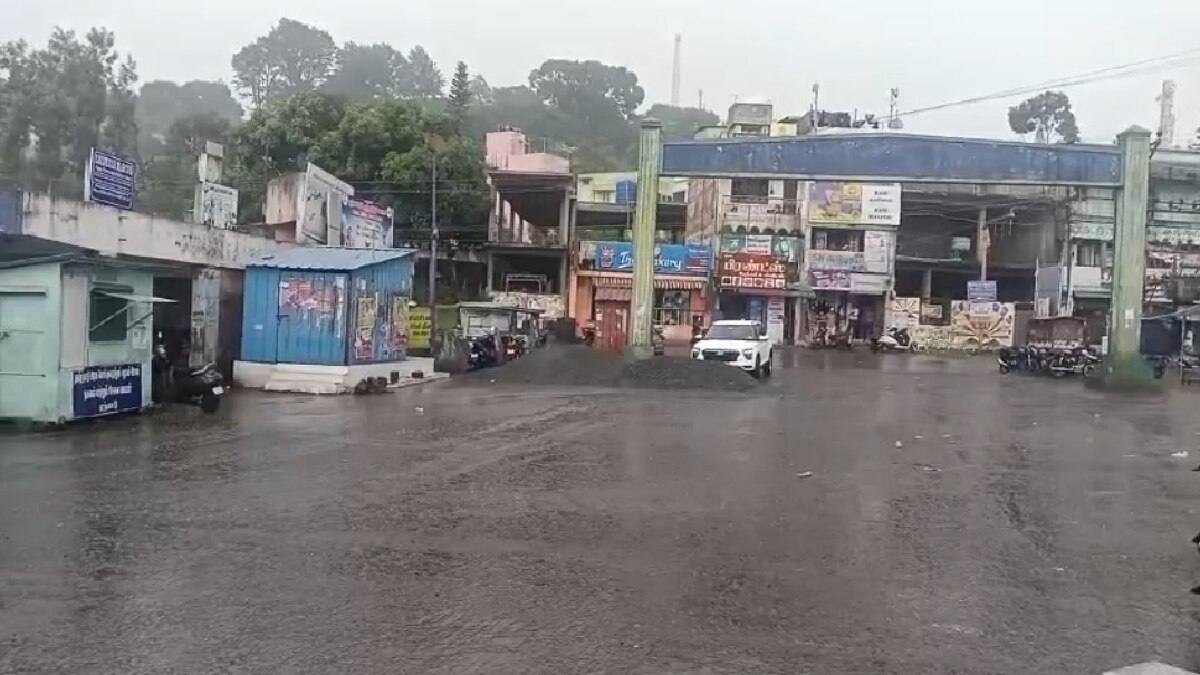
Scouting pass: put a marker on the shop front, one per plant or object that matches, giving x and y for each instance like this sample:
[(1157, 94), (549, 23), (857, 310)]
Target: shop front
[(604, 290), (757, 286), (847, 302)]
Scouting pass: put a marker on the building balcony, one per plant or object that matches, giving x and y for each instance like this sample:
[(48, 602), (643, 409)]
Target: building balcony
[(764, 217), (1091, 280)]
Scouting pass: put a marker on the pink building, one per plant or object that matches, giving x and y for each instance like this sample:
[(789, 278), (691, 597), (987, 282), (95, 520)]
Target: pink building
[(510, 150)]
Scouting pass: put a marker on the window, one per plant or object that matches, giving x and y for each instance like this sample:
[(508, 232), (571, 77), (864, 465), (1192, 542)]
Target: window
[(1089, 254), (108, 318), (672, 308), (749, 190), (734, 332), (837, 240)]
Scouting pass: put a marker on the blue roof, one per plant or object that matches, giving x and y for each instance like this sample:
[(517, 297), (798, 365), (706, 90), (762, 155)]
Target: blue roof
[(327, 258)]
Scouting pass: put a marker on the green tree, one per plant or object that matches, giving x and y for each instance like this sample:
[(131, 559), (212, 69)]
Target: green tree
[(292, 58), (58, 103), (589, 89), (369, 72), (381, 147), (161, 103), (481, 91), (1048, 116), (169, 176), (681, 123), (460, 96), (422, 80)]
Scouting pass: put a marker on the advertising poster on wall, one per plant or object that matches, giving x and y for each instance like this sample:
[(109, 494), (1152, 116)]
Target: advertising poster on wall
[(839, 261), (364, 328), (320, 207), (833, 203), (823, 280), (783, 247), (110, 179), (776, 317), (216, 205), (107, 390), (617, 256), (365, 224), (981, 291), (750, 271), (400, 323), (877, 251)]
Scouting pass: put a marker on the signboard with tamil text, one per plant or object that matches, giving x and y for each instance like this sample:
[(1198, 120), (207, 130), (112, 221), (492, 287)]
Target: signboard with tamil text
[(110, 179), (750, 271), (107, 390), (981, 291)]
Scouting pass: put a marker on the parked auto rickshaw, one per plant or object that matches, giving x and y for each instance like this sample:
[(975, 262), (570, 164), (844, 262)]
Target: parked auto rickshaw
[(482, 334)]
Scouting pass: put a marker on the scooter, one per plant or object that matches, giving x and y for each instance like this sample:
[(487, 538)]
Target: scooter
[(1079, 361), (203, 387), (589, 334), (483, 353), (894, 340)]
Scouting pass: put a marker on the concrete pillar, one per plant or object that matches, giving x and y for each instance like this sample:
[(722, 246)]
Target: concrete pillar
[(564, 218), (649, 167), (926, 284), (1129, 255), (491, 271)]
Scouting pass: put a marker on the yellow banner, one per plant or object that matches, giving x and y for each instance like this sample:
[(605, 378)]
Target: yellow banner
[(419, 328)]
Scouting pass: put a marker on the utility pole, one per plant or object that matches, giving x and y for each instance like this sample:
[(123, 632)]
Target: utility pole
[(649, 167), (1126, 368), (436, 143), (1166, 114), (983, 241)]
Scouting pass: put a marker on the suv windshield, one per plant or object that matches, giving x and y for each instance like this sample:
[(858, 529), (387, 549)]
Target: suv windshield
[(733, 333)]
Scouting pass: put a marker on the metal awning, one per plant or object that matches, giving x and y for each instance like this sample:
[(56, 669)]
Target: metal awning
[(660, 282), (129, 297)]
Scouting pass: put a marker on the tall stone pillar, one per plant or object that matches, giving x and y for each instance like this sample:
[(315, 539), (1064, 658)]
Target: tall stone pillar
[(646, 215), (1129, 258)]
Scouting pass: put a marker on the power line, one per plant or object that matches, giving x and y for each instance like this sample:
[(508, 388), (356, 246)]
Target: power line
[(1112, 72)]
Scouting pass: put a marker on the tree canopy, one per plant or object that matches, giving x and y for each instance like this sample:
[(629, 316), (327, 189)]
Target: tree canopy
[(291, 59), (681, 123), (1048, 116), (161, 103), (60, 101)]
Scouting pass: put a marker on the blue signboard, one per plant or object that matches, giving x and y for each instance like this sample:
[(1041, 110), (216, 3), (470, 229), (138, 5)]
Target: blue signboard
[(981, 291), (106, 390), (617, 256), (111, 179)]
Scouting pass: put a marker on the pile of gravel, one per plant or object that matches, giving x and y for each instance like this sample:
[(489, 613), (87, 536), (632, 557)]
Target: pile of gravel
[(577, 365), (667, 372)]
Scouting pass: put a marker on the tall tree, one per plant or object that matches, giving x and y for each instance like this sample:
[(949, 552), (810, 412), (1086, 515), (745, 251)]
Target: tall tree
[(587, 88), (1048, 116), (481, 91), (460, 96), (681, 123), (369, 72), (293, 58), (423, 80), (59, 102), (169, 176), (162, 103)]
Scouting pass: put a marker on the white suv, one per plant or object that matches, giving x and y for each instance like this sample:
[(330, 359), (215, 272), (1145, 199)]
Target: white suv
[(743, 344)]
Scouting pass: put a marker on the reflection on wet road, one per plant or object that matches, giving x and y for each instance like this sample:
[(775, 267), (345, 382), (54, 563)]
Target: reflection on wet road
[(955, 521)]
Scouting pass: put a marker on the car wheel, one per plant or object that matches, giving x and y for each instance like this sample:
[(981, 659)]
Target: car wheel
[(766, 367), (758, 371)]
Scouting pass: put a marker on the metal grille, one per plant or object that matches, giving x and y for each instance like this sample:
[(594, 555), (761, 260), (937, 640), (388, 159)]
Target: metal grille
[(719, 355)]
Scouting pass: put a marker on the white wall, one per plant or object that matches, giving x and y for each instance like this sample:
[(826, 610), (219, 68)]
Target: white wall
[(110, 230)]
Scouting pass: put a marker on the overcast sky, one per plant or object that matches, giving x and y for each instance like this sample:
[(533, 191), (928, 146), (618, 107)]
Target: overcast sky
[(771, 49)]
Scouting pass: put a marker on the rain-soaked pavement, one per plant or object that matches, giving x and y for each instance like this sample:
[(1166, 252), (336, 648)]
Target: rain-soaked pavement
[(1024, 526)]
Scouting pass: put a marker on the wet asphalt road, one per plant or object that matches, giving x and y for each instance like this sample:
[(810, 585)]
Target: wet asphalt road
[(1025, 526)]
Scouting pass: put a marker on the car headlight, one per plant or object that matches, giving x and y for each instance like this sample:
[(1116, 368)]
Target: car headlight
[(748, 353)]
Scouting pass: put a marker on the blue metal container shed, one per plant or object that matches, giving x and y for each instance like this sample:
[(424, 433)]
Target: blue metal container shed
[(327, 306)]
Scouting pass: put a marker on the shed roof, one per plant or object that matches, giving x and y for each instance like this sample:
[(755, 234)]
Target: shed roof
[(327, 258)]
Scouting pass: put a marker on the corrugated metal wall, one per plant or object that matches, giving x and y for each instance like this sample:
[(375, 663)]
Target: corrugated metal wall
[(260, 312), (379, 312)]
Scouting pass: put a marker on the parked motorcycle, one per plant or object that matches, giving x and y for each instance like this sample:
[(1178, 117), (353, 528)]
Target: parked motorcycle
[(658, 341), (483, 353), (896, 339), (175, 381), (1077, 361), (1014, 359), (589, 334)]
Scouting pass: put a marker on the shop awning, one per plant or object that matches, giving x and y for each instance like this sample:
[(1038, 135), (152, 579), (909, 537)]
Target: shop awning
[(128, 297), (611, 294), (660, 282)]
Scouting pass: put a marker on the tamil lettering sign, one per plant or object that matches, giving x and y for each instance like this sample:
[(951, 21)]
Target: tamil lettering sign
[(838, 261), (617, 256), (216, 205), (981, 291), (106, 390), (854, 203), (110, 179), (420, 327), (752, 271), (868, 284), (1092, 231), (364, 224), (877, 250), (830, 281)]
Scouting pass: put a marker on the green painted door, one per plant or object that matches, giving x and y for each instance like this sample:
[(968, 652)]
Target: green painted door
[(22, 373)]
